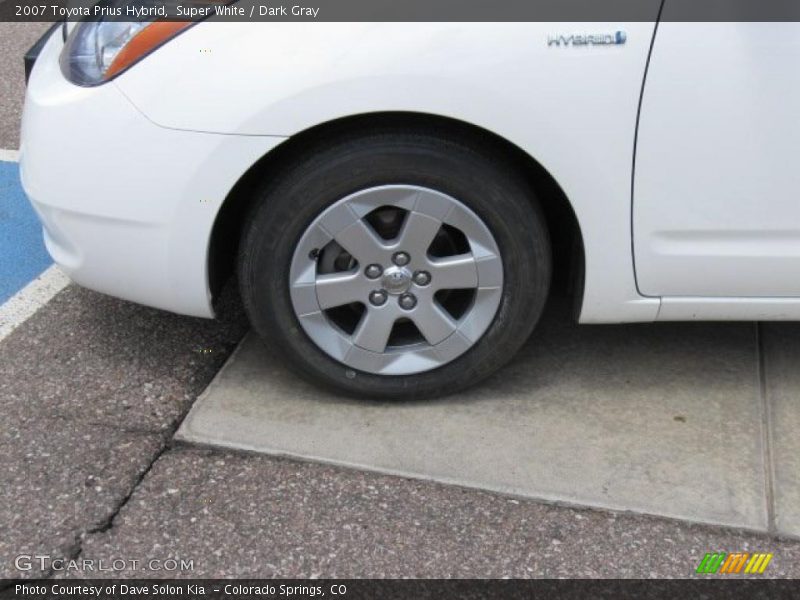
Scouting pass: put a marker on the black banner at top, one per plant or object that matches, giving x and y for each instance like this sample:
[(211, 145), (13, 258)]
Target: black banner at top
[(403, 10)]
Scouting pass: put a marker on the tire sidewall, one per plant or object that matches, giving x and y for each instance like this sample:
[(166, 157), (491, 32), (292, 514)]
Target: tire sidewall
[(287, 207)]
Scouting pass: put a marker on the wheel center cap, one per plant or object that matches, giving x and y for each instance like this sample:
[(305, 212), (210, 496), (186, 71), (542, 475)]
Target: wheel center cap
[(396, 280)]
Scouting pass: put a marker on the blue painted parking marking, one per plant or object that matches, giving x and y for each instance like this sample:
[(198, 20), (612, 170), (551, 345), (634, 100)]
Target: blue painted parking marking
[(22, 253)]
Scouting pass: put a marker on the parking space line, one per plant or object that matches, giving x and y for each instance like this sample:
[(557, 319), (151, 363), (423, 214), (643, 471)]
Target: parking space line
[(38, 292), (31, 298), (9, 155), (16, 222)]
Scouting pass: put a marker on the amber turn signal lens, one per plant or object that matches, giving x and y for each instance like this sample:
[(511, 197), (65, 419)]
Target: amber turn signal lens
[(147, 40)]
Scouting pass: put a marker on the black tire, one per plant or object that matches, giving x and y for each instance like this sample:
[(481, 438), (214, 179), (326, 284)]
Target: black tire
[(287, 204)]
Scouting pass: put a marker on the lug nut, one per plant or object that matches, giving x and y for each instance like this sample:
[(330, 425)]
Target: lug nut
[(373, 271), (422, 278), (378, 297), (407, 301), (401, 259)]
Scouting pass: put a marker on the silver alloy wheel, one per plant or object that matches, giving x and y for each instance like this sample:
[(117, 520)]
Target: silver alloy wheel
[(424, 308)]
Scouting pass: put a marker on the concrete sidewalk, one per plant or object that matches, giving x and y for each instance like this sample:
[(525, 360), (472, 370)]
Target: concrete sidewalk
[(690, 421)]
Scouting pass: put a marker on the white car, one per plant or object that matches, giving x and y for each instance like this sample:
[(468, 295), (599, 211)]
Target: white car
[(395, 198)]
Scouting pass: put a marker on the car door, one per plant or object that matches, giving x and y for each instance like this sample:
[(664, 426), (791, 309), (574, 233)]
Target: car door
[(717, 170)]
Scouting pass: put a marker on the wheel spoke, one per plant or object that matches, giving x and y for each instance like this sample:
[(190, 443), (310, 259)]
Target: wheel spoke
[(361, 242), (374, 329), (337, 289), (418, 233), (395, 280), (434, 324), (454, 272)]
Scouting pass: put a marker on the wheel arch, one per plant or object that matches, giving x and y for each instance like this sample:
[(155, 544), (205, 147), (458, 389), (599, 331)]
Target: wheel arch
[(565, 231)]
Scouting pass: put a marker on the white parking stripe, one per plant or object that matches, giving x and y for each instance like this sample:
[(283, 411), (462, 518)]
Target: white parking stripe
[(9, 155), (31, 298)]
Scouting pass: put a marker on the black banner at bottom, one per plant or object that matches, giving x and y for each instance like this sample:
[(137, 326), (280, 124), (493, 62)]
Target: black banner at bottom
[(406, 589)]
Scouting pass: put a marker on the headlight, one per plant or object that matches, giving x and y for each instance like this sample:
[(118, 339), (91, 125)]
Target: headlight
[(96, 51)]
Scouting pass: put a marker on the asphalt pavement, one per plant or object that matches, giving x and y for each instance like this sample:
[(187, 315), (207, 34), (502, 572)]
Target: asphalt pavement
[(92, 390), (15, 39)]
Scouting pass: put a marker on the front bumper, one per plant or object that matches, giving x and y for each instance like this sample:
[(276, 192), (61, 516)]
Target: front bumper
[(33, 52), (127, 206)]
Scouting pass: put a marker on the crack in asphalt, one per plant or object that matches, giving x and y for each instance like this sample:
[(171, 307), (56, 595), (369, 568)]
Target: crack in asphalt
[(108, 523), (75, 551), (176, 380)]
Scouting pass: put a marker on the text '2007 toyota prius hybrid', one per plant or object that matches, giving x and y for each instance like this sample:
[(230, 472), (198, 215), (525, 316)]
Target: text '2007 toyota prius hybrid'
[(395, 198)]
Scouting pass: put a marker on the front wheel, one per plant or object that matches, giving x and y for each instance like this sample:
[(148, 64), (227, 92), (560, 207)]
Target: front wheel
[(395, 265)]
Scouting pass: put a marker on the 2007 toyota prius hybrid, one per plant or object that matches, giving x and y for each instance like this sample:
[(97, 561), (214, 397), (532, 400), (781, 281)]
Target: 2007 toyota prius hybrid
[(395, 198)]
